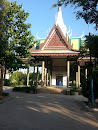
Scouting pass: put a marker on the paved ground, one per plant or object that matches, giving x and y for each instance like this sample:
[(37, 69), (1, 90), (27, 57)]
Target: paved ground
[(45, 112)]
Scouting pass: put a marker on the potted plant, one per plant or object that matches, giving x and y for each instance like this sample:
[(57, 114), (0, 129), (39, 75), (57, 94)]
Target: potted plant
[(33, 88), (74, 90)]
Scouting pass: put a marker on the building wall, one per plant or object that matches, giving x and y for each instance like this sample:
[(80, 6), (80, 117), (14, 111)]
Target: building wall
[(75, 43), (41, 41), (7, 76), (59, 73), (59, 69), (59, 62)]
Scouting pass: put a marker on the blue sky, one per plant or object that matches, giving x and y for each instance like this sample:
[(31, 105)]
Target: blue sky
[(42, 17)]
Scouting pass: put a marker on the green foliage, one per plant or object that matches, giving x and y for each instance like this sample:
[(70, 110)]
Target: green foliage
[(7, 82), (33, 76), (25, 89), (73, 70), (5, 94), (18, 78), (20, 89), (4, 5), (74, 88), (86, 89), (14, 34), (15, 37), (95, 81), (91, 42), (86, 85), (88, 11)]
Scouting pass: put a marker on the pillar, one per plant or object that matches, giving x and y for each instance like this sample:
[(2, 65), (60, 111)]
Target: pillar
[(47, 72), (68, 72), (37, 76), (42, 78), (50, 78), (28, 76), (86, 73), (77, 79), (45, 76), (33, 75), (78, 75), (51, 73)]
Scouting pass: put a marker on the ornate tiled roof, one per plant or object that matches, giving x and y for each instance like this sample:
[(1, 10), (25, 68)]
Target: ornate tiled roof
[(56, 44)]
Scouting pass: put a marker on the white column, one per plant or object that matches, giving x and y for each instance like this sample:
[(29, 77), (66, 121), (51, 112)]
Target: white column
[(37, 76), (45, 76), (68, 72), (77, 79), (42, 78), (50, 79), (79, 75), (86, 73), (28, 76), (34, 75), (47, 73)]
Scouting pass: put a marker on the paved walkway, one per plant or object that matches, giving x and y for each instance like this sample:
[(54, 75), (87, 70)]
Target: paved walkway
[(23, 111)]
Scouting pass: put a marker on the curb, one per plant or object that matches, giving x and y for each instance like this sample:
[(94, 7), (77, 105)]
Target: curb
[(90, 109)]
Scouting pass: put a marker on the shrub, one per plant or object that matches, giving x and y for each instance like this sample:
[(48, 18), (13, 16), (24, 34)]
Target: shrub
[(95, 82), (18, 78), (5, 94), (25, 89), (20, 89), (86, 86), (7, 82), (86, 89)]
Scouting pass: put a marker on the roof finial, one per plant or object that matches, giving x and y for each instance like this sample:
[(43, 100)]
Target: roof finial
[(71, 33), (59, 19), (82, 35), (69, 30)]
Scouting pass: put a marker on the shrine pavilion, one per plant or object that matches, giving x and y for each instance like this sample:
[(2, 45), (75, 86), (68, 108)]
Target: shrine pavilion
[(55, 53)]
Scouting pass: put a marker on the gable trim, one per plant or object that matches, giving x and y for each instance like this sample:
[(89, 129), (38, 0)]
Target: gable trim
[(50, 37)]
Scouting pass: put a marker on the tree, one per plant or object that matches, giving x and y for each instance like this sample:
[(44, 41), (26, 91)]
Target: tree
[(88, 9), (18, 78), (3, 38), (86, 85), (15, 37), (91, 43)]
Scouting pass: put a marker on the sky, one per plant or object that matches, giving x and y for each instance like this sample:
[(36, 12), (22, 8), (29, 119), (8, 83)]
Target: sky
[(42, 17)]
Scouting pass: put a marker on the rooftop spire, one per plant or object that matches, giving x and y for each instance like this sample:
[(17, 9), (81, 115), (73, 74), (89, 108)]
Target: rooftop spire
[(59, 20)]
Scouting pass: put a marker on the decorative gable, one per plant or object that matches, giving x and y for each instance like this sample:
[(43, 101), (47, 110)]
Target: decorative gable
[(56, 40)]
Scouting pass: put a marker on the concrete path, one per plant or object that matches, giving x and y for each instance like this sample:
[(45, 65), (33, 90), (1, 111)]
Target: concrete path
[(23, 111)]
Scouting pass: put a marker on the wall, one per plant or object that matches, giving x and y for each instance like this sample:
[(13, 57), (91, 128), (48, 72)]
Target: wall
[(59, 73)]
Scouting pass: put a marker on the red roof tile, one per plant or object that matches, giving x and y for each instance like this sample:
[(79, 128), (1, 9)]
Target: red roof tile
[(55, 41)]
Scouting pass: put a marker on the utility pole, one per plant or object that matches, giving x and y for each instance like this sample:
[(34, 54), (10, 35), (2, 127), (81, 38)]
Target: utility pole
[(92, 94)]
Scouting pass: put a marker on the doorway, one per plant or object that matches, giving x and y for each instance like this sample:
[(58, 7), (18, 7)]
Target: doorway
[(59, 80)]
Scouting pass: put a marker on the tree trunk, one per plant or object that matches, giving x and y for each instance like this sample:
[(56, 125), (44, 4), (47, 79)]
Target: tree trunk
[(1, 80), (4, 73)]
